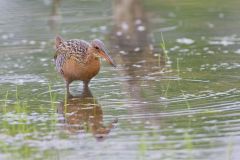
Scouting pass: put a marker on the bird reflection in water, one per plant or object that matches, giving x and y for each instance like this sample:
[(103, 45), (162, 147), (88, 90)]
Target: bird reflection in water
[(83, 114)]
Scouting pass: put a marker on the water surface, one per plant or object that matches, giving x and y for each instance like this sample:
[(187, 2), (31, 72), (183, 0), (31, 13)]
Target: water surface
[(184, 105)]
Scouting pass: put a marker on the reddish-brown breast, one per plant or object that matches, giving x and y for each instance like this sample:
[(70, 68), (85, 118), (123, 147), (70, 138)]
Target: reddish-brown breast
[(74, 70)]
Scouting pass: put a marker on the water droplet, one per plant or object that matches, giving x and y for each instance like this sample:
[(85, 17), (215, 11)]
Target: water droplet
[(184, 40), (171, 14), (237, 51), (43, 43), (123, 52), (124, 26), (43, 59), (94, 30), (205, 48), (136, 65), (4, 36), (11, 35), (137, 49), (221, 15), (213, 69), (138, 21), (174, 48), (119, 33), (24, 41), (127, 37), (32, 42), (141, 28), (103, 28), (210, 25)]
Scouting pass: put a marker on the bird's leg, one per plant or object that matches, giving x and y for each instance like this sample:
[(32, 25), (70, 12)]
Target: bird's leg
[(85, 84), (68, 92)]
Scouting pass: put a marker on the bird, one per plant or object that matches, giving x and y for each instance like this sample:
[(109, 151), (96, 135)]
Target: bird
[(77, 59)]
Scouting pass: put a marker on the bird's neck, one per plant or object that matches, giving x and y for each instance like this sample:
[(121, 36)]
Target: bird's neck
[(91, 54)]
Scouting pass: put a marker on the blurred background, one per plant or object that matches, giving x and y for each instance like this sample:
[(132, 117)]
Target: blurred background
[(175, 93)]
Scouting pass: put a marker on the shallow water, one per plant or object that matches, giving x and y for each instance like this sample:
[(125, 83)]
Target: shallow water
[(183, 106)]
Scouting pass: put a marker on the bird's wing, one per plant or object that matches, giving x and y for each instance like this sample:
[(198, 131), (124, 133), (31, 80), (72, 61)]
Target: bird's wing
[(78, 46), (75, 48), (72, 47), (78, 49)]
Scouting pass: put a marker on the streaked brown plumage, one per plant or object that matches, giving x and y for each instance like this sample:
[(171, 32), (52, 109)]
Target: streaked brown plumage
[(79, 60)]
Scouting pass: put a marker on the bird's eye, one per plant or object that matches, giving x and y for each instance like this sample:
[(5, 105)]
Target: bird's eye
[(97, 47)]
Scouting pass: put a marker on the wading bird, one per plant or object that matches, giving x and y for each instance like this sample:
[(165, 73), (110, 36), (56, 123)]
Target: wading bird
[(79, 60)]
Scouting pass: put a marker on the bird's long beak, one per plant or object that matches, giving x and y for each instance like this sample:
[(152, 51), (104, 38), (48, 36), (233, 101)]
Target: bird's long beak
[(104, 53)]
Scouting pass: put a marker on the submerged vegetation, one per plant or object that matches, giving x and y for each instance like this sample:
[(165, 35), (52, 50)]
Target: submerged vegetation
[(21, 124)]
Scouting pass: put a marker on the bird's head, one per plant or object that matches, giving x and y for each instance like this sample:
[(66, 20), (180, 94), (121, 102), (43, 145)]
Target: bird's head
[(101, 51)]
